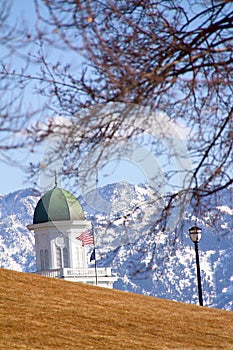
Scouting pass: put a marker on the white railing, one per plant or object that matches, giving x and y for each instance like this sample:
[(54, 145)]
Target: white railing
[(71, 273), (56, 273)]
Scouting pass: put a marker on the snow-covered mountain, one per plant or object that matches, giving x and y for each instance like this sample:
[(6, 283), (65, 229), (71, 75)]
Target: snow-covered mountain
[(145, 259), (16, 242)]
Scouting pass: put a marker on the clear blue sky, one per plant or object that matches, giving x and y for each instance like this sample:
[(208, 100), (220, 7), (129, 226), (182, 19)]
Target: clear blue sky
[(13, 178)]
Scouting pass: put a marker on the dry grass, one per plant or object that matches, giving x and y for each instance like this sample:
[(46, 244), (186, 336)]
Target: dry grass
[(42, 313)]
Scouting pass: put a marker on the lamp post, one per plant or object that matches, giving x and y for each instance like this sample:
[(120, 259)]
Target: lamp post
[(195, 235)]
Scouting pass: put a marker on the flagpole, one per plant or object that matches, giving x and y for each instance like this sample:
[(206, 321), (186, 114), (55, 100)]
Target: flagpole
[(96, 277)]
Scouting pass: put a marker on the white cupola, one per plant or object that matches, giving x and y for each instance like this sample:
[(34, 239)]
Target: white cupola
[(58, 223)]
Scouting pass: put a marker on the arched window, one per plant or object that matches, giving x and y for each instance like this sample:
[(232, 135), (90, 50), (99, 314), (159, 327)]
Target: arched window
[(42, 265), (46, 258), (58, 252), (65, 257)]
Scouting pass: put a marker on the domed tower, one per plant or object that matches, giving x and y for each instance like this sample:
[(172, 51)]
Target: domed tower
[(58, 223)]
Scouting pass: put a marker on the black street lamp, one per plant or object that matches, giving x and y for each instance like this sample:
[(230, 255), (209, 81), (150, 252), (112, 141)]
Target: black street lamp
[(195, 235)]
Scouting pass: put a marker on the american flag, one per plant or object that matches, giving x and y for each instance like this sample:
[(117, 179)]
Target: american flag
[(86, 238)]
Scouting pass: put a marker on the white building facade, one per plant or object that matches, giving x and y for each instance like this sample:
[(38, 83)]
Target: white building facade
[(57, 223)]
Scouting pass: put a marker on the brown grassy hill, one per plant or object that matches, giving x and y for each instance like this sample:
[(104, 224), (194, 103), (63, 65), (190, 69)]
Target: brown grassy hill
[(41, 313)]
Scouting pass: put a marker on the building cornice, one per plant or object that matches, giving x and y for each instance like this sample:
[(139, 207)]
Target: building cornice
[(64, 223)]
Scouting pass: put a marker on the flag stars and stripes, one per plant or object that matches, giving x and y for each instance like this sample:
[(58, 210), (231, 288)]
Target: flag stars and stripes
[(86, 238)]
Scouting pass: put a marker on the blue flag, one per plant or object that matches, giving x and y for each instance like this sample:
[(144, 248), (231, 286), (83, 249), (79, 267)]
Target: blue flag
[(92, 255)]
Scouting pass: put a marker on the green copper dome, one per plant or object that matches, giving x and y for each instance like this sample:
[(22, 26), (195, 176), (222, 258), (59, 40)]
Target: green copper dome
[(58, 205)]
